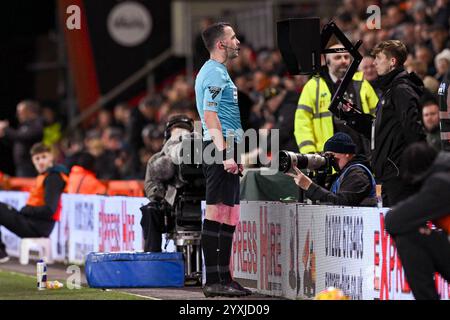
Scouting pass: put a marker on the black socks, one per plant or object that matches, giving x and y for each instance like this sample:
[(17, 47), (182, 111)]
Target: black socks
[(210, 247), (225, 247), (217, 242)]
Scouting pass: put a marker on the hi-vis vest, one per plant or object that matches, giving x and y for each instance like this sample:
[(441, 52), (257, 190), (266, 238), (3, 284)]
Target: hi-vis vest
[(37, 194), (314, 122)]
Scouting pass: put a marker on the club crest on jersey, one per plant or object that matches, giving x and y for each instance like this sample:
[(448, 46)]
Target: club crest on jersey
[(214, 91)]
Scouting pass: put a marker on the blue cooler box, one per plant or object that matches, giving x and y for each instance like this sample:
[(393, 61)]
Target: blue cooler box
[(135, 270)]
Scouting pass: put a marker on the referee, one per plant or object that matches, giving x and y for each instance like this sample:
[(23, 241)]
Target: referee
[(217, 105)]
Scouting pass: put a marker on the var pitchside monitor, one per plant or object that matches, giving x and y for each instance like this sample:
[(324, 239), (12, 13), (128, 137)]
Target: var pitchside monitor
[(299, 43)]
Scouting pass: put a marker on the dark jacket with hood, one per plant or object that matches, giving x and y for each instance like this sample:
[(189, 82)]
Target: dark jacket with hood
[(397, 122), (354, 190), (431, 203)]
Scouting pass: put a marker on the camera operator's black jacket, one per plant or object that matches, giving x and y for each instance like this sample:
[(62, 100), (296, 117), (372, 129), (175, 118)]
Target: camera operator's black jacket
[(354, 190), (432, 202), (397, 122)]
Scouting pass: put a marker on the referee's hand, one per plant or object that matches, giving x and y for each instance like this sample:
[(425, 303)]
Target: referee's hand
[(231, 166)]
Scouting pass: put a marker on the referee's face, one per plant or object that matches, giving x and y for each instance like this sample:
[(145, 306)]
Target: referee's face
[(231, 43)]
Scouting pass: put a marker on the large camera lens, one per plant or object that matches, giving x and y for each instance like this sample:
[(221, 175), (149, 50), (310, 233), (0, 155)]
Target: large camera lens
[(289, 160)]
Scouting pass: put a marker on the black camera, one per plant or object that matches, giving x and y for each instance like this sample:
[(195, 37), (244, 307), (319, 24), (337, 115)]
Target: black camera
[(314, 162)]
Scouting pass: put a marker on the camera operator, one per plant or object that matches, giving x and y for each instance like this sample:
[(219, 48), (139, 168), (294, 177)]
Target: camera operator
[(161, 183), (354, 186), (424, 250)]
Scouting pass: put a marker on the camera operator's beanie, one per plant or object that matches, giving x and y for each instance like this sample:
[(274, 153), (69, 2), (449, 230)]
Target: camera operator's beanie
[(340, 143)]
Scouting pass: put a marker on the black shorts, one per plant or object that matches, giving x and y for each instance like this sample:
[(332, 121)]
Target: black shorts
[(221, 186)]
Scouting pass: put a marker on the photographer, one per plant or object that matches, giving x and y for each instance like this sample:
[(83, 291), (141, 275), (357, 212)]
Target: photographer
[(423, 250), (355, 185), (161, 182)]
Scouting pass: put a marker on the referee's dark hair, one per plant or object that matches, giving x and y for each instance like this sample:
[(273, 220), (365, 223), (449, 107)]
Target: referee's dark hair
[(214, 32)]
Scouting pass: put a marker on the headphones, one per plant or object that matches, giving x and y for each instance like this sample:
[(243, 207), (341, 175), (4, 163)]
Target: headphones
[(180, 121)]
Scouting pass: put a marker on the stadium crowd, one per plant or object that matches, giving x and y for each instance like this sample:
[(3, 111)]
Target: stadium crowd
[(124, 137)]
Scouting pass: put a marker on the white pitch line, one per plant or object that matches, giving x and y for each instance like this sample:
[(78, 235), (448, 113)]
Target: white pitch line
[(129, 293)]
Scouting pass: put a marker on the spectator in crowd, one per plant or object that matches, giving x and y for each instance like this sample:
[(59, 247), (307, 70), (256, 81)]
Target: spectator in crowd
[(121, 116), (424, 251), (146, 113), (38, 217), (279, 109), (442, 63), (370, 73), (52, 127), (72, 146), (112, 161), (439, 38), (419, 13), (430, 84), (314, 123), (441, 11), (354, 186), (424, 54), (153, 137), (430, 119), (82, 179), (29, 132), (104, 120)]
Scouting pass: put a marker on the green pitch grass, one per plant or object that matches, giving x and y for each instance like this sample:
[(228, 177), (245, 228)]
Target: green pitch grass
[(14, 286)]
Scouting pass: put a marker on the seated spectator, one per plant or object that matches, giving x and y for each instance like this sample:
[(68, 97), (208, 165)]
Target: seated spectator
[(38, 217), (82, 179)]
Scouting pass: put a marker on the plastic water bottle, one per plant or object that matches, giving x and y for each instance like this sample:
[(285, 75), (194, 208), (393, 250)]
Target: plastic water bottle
[(41, 274)]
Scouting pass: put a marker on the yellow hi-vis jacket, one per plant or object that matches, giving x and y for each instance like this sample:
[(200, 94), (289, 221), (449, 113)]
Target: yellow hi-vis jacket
[(314, 122)]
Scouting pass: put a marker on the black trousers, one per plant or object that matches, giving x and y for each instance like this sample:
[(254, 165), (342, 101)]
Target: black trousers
[(422, 256), (23, 226)]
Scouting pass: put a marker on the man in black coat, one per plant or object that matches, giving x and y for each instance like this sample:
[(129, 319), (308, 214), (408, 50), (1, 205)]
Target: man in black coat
[(355, 185), (423, 250), (29, 132), (397, 123)]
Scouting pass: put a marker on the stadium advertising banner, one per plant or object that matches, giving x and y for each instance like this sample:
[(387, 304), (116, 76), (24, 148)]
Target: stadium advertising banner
[(88, 224), (103, 224), (296, 251), (280, 249)]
